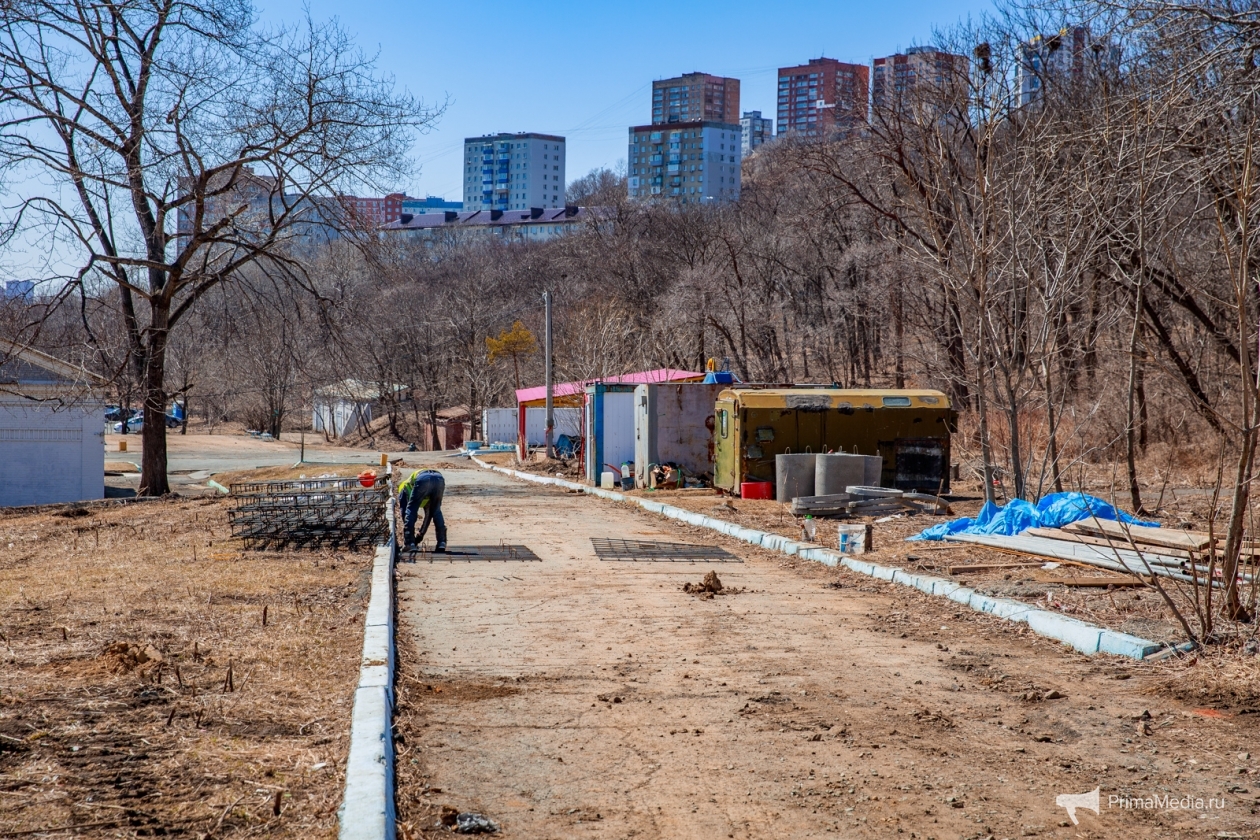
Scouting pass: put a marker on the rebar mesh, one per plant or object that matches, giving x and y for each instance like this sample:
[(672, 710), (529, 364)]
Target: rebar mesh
[(333, 513)]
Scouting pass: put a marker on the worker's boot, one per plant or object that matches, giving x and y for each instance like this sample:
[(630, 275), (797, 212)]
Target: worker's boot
[(441, 541)]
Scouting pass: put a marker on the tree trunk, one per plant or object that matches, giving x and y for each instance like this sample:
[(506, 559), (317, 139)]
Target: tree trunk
[(1130, 416), (1237, 520), (1012, 419), (1052, 438), (153, 480), (899, 327)]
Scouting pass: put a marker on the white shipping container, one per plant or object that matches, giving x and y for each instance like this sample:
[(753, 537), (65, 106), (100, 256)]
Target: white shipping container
[(568, 422), (499, 425)]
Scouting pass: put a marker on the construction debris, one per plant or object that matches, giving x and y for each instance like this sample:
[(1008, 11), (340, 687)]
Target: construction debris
[(1101, 582), (710, 586), (992, 567), (868, 501), (301, 514), (1124, 535), (1114, 558)]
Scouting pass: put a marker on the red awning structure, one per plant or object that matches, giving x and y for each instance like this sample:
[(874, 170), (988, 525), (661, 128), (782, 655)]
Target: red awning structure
[(573, 394)]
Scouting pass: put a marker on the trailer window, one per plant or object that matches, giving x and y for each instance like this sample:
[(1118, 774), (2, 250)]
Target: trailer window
[(722, 423), (896, 402)]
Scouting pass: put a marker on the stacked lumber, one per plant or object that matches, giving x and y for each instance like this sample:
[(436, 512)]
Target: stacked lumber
[(833, 504), (1189, 556), (868, 501)]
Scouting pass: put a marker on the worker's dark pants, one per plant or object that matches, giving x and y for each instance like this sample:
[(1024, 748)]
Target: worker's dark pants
[(430, 486)]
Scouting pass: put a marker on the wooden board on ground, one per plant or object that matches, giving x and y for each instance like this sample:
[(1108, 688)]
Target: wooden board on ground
[(991, 567), (1167, 537), (1109, 580), (1089, 539)]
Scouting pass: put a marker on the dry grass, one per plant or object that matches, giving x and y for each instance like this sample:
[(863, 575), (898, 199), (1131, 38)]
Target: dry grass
[(142, 693), (1216, 677)]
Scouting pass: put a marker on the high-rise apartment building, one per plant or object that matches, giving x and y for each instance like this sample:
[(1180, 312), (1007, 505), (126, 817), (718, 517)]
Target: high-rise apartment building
[(821, 97), (695, 97), (513, 171), (1072, 56), (756, 130), (897, 81), (690, 162)]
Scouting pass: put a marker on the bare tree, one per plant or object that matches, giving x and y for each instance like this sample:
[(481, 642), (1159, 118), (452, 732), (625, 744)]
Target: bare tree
[(166, 145)]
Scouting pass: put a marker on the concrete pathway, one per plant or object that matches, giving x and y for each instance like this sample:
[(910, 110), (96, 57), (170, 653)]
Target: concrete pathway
[(580, 698)]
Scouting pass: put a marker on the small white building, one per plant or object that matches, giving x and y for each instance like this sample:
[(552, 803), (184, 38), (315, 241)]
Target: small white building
[(52, 430), (346, 407)]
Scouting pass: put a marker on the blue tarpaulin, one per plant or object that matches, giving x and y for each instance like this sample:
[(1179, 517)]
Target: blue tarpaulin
[(1053, 511)]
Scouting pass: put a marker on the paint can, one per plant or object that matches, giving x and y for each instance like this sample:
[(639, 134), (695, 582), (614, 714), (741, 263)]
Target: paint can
[(854, 539)]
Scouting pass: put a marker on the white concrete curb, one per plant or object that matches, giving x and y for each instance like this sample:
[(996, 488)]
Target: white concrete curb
[(1082, 636), (367, 812)]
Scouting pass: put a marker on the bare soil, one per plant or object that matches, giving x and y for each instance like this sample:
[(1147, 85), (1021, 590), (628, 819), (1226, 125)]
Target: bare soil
[(142, 694), (1137, 610), (582, 698)]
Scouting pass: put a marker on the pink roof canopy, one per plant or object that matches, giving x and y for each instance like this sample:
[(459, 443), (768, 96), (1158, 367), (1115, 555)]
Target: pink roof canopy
[(643, 377)]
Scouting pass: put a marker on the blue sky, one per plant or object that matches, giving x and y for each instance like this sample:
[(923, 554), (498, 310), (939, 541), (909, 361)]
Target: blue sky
[(584, 70)]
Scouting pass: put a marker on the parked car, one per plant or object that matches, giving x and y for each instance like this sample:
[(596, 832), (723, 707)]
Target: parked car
[(114, 413), (134, 424)]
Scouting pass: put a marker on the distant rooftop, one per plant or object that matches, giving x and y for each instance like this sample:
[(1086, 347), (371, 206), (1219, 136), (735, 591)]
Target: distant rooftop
[(519, 135), (482, 218)]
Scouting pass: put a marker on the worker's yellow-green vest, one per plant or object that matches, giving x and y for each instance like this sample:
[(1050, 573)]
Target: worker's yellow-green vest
[(410, 482)]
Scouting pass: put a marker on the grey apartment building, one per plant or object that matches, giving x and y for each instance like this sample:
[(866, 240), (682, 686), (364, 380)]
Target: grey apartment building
[(690, 153), (513, 171), (693, 162), (756, 130)]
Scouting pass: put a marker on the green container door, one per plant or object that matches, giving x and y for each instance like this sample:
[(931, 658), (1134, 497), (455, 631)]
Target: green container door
[(726, 443)]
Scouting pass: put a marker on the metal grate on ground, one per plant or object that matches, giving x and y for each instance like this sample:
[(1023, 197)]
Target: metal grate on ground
[(475, 554), (646, 551), (271, 515)]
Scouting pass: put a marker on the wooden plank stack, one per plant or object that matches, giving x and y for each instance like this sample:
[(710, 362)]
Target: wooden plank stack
[(1190, 556), (868, 501)]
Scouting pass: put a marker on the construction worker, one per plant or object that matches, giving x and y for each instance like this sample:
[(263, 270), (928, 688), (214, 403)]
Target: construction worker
[(422, 489)]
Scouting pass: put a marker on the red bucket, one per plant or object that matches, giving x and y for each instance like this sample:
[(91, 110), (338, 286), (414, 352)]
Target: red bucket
[(367, 478), (757, 490)]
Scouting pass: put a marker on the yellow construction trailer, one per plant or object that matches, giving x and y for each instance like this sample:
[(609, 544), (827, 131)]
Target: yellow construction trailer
[(909, 429)]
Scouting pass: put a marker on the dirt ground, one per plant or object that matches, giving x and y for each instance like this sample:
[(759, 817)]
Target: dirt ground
[(575, 697), (141, 692), (1137, 610)]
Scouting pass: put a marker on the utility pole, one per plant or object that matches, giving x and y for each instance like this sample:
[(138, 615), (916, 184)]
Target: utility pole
[(551, 419)]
